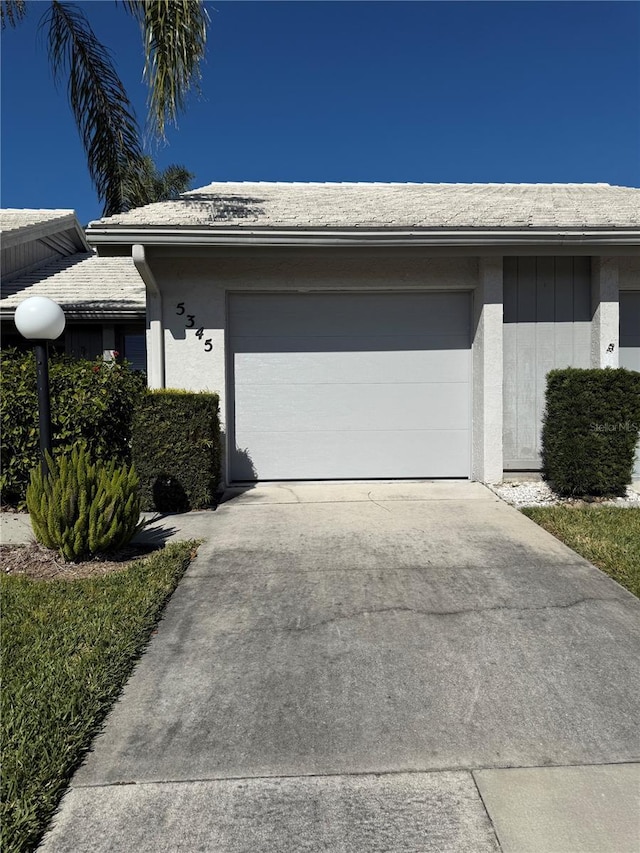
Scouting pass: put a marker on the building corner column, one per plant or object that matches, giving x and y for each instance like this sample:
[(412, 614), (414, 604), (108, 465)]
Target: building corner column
[(155, 325), (605, 312), (487, 360)]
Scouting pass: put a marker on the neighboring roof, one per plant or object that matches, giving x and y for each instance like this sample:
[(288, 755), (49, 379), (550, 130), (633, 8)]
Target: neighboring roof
[(84, 285), (417, 209), (60, 227), (15, 218)]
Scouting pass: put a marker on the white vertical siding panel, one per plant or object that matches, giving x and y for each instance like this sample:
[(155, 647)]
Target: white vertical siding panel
[(564, 313), (25, 256), (526, 371), (581, 312), (630, 343), (545, 336), (547, 326), (510, 337)]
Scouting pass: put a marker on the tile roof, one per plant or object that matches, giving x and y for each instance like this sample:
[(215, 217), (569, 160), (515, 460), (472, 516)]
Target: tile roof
[(57, 229), (14, 219), (256, 205), (86, 286)]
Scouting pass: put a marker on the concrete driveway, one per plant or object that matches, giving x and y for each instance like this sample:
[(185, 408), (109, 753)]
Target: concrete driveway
[(373, 667)]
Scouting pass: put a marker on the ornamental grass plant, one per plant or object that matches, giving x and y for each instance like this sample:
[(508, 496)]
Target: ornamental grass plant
[(81, 508)]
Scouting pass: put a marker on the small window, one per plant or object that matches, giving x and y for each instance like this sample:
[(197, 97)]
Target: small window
[(134, 350), (84, 341)]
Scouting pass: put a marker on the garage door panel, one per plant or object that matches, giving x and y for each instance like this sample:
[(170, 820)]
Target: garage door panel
[(364, 454), (366, 367), (353, 407), (352, 314), (382, 342), (350, 385)]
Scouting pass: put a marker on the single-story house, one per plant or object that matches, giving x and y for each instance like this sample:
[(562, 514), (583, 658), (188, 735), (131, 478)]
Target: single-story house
[(45, 253), (364, 330)]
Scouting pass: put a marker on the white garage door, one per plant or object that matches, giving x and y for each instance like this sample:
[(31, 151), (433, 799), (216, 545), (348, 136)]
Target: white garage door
[(346, 386)]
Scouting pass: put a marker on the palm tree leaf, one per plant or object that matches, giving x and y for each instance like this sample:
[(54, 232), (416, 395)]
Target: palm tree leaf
[(12, 12), (175, 180), (174, 34), (146, 185), (103, 114)]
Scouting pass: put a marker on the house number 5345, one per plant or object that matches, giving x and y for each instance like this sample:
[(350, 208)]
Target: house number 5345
[(190, 323)]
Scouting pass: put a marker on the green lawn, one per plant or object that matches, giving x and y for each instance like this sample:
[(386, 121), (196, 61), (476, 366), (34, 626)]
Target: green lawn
[(67, 649), (607, 536)]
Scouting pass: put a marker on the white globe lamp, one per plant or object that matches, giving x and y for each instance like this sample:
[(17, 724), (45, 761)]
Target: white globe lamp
[(40, 319)]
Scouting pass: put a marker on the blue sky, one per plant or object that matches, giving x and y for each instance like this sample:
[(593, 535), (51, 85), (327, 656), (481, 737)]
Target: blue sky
[(356, 91)]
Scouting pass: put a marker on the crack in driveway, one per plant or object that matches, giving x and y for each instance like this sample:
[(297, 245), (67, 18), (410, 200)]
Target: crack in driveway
[(446, 613)]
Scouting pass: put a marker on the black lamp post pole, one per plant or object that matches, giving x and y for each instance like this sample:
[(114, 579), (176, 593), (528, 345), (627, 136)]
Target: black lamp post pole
[(44, 408)]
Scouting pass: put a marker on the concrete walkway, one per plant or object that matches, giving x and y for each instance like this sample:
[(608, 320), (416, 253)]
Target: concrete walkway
[(373, 667)]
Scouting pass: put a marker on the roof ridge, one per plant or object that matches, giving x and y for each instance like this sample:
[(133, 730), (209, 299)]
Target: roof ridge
[(410, 184)]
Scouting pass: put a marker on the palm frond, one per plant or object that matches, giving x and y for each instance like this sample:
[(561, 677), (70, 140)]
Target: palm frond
[(103, 114), (175, 35), (144, 184), (175, 180), (12, 12)]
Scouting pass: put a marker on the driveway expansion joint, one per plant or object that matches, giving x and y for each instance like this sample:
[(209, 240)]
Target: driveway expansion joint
[(355, 774), (486, 811)]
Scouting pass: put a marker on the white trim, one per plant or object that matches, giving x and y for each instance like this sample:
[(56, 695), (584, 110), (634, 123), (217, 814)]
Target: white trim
[(520, 239), (155, 349)]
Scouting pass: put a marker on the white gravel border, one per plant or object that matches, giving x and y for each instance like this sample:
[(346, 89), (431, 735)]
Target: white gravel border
[(532, 493)]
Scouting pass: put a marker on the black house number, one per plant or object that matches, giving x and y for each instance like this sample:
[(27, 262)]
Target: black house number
[(190, 323)]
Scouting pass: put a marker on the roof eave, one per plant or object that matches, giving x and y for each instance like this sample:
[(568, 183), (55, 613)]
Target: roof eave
[(86, 313), (47, 228), (437, 238)]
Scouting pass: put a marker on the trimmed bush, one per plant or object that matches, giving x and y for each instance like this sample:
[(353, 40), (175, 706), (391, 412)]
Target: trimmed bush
[(91, 402), (590, 430), (176, 450), (82, 509)]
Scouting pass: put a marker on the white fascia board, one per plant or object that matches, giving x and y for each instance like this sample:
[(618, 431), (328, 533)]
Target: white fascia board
[(286, 238)]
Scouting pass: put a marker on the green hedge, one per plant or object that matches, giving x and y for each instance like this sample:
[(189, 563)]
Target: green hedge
[(91, 402), (176, 450), (590, 430)]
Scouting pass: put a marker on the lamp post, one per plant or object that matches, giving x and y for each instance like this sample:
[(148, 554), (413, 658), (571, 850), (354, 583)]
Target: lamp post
[(40, 319)]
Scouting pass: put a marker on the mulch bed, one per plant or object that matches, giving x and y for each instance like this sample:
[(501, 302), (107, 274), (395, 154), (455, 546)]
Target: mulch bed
[(39, 563)]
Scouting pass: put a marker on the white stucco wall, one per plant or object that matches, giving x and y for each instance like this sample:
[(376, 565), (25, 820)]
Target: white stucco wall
[(486, 456), (196, 286), (605, 320), (202, 285)]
